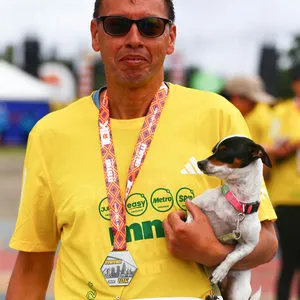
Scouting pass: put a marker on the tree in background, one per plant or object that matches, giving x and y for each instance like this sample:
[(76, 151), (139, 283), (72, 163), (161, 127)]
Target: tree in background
[(285, 74)]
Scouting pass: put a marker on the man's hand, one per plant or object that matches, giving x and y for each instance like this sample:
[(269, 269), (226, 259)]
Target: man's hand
[(195, 241), (282, 149)]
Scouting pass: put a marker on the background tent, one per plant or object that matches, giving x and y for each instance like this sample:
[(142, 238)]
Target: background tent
[(23, 101)]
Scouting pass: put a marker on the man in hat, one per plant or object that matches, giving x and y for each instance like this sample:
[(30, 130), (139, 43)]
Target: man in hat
[(247, 93)]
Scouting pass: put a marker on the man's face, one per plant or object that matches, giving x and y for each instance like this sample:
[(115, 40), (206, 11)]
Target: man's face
[(133, 60), (243, 104)]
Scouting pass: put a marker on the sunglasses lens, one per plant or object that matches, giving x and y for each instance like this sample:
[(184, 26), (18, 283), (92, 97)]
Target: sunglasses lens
[(152, 27), (116, 25)]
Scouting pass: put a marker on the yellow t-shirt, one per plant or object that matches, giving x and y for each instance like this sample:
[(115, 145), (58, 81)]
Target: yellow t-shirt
[(284, 185), (64, 195), (259, 122)]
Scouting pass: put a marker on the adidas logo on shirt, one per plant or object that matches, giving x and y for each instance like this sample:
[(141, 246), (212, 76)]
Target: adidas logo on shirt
[(191, 167)]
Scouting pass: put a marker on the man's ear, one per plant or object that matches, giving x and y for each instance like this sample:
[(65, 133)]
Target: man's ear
[(95, 35), (172, 39)]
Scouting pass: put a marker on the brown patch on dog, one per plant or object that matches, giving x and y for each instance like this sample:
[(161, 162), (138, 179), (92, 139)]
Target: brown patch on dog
[(223, 147), (216, 162), (236, 164)]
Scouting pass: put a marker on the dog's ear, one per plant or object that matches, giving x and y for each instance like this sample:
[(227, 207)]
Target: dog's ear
[(259, 152)]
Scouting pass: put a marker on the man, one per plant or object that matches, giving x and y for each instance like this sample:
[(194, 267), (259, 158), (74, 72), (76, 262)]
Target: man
[(75, 181), (284, 186)]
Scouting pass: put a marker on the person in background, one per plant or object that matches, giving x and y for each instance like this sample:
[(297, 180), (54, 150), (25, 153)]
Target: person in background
[(247, 93), (107, 176), (284, 186)]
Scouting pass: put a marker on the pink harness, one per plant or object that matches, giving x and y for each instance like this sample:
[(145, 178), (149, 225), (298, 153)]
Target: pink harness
[(242, 207)]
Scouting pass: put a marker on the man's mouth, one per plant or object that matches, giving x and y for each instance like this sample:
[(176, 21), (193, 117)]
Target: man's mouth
[(133, 59)]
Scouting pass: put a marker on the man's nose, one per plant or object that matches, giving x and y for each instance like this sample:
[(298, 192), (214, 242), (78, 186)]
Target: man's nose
[(133, 37)]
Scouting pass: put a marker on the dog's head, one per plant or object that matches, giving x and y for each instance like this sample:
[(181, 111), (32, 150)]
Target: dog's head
[(231, 153)]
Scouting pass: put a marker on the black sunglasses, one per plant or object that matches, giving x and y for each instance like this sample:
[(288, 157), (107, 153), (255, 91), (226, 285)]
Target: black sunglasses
[(150, 27)]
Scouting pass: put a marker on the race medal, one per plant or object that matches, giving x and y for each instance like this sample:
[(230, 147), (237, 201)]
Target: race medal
[(118, 268)]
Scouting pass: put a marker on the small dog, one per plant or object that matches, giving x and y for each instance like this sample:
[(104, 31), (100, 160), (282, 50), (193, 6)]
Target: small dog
[(232, 208)]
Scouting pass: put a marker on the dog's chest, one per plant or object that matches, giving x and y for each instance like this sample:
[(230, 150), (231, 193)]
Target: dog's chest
[(223, 224)]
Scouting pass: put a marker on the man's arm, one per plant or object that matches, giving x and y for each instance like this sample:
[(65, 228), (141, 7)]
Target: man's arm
[(30, 276), (196, 241)]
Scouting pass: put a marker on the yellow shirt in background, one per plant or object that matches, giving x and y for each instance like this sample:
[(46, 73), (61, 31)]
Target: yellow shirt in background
[(259, 121), (284, 185)]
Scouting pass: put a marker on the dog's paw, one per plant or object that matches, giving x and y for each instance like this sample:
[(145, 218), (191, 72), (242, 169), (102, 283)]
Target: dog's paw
[(189, 218), (219, 274)]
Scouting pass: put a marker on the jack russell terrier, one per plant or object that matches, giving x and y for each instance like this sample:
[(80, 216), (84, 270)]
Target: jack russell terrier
[(232, 208)]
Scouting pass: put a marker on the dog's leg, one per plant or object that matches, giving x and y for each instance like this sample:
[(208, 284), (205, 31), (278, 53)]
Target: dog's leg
[(238, 285), (240, 251)]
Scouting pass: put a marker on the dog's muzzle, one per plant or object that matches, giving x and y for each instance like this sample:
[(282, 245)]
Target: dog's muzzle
[(202, 164)]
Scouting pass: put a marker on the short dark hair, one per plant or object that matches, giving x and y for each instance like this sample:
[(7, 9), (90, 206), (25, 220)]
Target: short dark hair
[(169, 3)]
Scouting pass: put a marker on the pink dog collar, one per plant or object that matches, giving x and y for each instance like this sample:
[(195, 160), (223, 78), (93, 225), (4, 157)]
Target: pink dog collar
[(245, 208)]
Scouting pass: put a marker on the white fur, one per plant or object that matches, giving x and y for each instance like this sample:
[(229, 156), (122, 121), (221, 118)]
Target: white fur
[(245, 183)]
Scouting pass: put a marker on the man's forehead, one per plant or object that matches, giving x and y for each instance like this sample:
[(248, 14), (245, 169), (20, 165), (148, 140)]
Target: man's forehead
[(132, 7)]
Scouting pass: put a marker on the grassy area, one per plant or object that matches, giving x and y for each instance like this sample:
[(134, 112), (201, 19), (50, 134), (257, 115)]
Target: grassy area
[(11, 151)]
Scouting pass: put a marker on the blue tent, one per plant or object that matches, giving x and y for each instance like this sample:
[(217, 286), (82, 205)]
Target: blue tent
[(23, 101)]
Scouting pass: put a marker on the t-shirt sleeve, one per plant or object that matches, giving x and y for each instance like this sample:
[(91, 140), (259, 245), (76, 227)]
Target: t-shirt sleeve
[(35, 229), (236, 124)]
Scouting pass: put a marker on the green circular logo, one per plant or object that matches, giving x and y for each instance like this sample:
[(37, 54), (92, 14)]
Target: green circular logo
[(136, 204), (162, 200), (104, 209), (182, 195)]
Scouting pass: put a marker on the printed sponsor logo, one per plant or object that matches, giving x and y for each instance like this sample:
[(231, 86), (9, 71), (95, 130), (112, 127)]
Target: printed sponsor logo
[(92, 294), (104, 209), (23, 183), (263, 193), (136, 204), (141, 231), (153, 118), (140, 155), (105, 134), (110, 170), (182, 195), (162, 200), (191, 167)]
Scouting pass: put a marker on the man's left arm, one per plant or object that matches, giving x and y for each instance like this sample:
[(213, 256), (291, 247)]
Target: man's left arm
[(265, 250), (196, 241)]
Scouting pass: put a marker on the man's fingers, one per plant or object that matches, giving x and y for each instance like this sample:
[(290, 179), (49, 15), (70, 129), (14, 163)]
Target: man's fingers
[(176, 218), (167, 229)]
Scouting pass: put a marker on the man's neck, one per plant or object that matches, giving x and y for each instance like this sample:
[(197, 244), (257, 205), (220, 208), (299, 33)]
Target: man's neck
[(130, 103)]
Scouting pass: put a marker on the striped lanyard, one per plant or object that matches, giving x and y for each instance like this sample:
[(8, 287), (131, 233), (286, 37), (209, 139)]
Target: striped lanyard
[(115, 202)]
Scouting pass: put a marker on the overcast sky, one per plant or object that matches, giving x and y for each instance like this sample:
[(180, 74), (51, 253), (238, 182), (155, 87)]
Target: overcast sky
[(222, 36)]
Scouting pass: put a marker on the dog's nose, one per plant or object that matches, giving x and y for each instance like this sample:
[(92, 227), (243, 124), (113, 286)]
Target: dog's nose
[(202, 164)]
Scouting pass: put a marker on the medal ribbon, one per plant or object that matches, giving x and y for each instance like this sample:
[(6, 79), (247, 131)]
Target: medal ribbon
[(115, 202)]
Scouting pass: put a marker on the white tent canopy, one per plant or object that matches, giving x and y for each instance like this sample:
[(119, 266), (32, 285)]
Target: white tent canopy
[(17, 85)]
